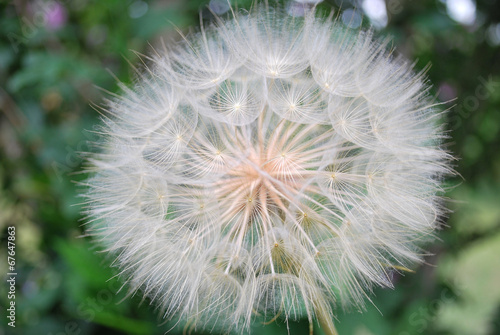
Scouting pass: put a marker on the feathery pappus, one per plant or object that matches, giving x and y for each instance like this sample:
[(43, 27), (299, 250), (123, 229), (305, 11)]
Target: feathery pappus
[(267, 166)]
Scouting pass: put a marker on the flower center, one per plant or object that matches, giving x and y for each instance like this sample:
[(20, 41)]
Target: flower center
[(252, 189), (258, 193)]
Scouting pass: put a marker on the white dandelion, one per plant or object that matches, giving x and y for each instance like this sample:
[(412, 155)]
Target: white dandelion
[(267, 167)]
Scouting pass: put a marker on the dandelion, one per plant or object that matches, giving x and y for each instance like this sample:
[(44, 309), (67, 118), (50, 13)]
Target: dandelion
[(267, 167)]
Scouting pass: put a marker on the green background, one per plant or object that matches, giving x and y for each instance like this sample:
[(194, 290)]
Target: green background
[(52, 72)]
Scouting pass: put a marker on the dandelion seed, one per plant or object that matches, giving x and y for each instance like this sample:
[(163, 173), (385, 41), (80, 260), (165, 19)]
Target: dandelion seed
[(267, 167)]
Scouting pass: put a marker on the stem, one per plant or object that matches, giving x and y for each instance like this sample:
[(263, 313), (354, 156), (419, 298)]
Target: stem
[(326, 322)]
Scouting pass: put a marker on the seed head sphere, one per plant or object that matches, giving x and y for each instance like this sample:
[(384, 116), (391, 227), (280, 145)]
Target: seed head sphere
[(267, 166)]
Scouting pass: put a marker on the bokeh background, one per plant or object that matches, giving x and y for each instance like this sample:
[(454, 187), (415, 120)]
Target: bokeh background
[(58, 58)]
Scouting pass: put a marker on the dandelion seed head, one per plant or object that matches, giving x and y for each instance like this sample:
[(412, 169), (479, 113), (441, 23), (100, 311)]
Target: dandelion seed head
[(267, 166)]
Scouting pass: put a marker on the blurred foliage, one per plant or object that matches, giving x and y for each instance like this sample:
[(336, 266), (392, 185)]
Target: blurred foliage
[(54, 57)]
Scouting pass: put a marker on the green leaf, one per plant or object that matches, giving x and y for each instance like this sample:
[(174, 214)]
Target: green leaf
[(83, 261), (475, 275)]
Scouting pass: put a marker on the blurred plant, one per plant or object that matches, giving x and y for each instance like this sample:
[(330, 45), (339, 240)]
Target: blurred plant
[(269, 166)]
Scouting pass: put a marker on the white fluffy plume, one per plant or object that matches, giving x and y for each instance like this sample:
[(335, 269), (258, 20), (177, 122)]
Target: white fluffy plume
[(267, 166)]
